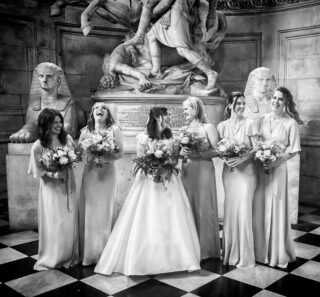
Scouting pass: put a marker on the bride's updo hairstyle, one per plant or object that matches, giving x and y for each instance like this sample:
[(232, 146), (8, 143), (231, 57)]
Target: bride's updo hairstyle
[(152, 125)]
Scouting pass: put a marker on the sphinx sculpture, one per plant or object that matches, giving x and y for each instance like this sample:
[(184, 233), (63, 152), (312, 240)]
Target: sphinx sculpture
[(171, 51), (259, 89), (49, 89)]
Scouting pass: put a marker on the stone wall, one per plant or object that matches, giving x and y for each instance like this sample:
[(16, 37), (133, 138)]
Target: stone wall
[(287, 41)]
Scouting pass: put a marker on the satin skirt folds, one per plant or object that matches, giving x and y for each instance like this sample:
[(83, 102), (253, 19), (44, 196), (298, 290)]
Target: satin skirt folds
[(273, 241), (97, 209), (239, 184), (198, 177), (155, 231), (58, 224)]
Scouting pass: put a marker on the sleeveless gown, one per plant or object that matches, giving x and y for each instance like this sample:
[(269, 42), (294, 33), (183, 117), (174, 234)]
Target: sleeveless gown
[(155, 231), (198, 177)]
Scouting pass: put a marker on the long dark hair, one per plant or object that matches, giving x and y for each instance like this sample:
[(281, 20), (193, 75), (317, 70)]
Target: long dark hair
[(45, 120), (232, 99), (152, 125), (91, 121), (289, 105)]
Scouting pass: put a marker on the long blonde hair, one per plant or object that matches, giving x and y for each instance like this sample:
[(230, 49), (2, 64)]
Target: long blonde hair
[(199, 108)]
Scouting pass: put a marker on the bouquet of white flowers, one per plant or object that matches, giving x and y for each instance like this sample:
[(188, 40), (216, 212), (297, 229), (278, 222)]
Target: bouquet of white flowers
[(268, 151), (99, 144), (229, 148), (59, 159), (158, 160), (191, 139)]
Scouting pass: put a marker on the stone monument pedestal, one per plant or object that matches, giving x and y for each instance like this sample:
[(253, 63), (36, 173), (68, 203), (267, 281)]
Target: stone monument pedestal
[(131, 114)]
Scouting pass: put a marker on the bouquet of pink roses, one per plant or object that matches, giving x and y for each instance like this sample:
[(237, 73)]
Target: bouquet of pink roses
[(158, 160), (229, 148), (99, 144), (268, 152), (58, 159), (191, 139)]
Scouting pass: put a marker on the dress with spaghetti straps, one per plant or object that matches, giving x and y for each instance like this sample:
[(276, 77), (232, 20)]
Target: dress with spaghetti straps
[(198, 177)]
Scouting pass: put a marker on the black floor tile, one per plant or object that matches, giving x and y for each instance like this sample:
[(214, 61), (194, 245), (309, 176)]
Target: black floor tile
[(291, 266), (79, 272), (306, 227), (151, 288), (77, 289), (29, 248), (295, 286), (215, 265), (312, 239), (2, 246), (226, 287), (316, 212), (6, 291), (317, 258), (16, 269)]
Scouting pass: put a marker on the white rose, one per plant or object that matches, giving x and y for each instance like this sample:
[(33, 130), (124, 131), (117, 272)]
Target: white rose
[(267, 153), (63, 160), (222, 148), (185, 140), (272, 158), (60, 153), (262, 158), (158, 153)]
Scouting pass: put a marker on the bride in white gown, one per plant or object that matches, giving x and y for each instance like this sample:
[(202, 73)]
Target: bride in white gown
[(155, 231)]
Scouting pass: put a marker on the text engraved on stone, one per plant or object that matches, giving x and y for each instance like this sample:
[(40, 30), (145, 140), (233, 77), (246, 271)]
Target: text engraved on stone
[(136, 116)]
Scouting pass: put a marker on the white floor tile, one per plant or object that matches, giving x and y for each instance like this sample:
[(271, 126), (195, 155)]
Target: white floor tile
[(310, 269), (188, 281), (19, 238), (309, 218), (258, 276), (266, 293), (9, 254), (41, 282), (315, 231), (306, 209), (297, 233), (306, 251), (114, 283)]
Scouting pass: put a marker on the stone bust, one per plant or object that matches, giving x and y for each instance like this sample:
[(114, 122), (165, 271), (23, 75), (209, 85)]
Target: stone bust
[(49, 89), (260, 86)]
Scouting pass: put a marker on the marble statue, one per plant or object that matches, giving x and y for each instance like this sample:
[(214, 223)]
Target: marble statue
[(49, 89), (171, 51), (259, 89)]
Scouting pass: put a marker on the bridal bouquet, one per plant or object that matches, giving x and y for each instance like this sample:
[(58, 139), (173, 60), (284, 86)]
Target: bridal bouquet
[(191, 139), (158, 160), (59, 159), (229, 148), (268, 152), (99, 144)]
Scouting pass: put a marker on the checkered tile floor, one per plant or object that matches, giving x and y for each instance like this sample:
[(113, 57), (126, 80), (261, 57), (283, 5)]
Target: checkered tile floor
[(18, 253)]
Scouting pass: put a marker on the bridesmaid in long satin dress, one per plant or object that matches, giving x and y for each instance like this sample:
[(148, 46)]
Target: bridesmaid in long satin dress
[(239, 186), (273, 243), (99, 188), (57, 207), (198, 177)]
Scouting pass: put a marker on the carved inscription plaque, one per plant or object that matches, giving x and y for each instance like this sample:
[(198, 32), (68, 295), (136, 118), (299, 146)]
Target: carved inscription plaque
[(136, 116)]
